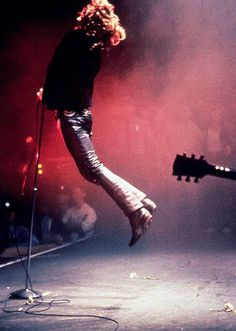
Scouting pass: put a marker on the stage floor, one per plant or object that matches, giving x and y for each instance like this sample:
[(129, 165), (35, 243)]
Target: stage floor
[(99, 282)]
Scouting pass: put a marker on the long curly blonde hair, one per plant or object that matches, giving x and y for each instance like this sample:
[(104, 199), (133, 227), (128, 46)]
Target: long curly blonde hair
[(99, 21)]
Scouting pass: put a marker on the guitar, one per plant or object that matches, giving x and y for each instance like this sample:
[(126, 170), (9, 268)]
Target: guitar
[(198, 168)]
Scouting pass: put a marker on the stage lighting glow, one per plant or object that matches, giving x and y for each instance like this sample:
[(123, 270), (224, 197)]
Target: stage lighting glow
[(29, 140), (40, 169)]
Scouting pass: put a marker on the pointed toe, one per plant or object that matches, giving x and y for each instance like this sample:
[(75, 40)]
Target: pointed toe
[(140, 221)]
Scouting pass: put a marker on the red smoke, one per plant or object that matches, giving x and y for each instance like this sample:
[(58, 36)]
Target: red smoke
[(168, 90)]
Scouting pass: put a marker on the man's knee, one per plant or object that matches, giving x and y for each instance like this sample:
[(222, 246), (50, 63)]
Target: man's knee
[(89, 172), (89, 166)]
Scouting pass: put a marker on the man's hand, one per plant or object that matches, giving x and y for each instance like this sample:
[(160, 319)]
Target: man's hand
[(40, 95)]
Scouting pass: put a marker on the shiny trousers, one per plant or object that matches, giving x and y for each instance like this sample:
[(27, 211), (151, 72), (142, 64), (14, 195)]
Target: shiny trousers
[(76, 129)]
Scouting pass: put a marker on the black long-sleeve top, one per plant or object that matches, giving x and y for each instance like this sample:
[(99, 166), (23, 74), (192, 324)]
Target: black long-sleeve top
[(71, 73)]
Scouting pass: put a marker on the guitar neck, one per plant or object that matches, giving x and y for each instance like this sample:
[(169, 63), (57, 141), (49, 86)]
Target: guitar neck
[(222, 172)]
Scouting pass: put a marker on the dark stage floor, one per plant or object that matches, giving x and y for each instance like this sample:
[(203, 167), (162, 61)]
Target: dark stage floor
[(143, 288)]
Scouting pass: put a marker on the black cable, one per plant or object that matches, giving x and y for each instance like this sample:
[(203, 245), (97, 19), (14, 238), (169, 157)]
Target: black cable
[(50, 305)]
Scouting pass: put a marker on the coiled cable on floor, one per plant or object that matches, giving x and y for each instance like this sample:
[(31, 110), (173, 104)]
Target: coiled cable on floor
[(26, 309)]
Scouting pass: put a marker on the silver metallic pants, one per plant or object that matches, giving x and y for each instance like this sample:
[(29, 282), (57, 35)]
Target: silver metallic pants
[(76, 128)]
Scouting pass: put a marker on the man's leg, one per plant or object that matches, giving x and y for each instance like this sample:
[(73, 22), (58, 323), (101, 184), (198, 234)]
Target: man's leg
[(76, 129)]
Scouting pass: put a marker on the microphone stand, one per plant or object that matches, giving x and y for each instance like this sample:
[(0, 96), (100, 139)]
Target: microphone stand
[(28, 292)]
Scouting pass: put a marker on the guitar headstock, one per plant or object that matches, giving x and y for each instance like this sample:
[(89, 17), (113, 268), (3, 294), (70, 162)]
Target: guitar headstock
[(189, 167)]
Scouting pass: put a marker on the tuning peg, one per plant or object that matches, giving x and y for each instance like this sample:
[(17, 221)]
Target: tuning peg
[(196, 180), (193, 156), (187, 179), (184, 155), (201, 157), (179, 178)]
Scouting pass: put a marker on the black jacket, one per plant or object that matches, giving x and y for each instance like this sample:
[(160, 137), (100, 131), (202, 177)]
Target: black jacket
[(71, 73)]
